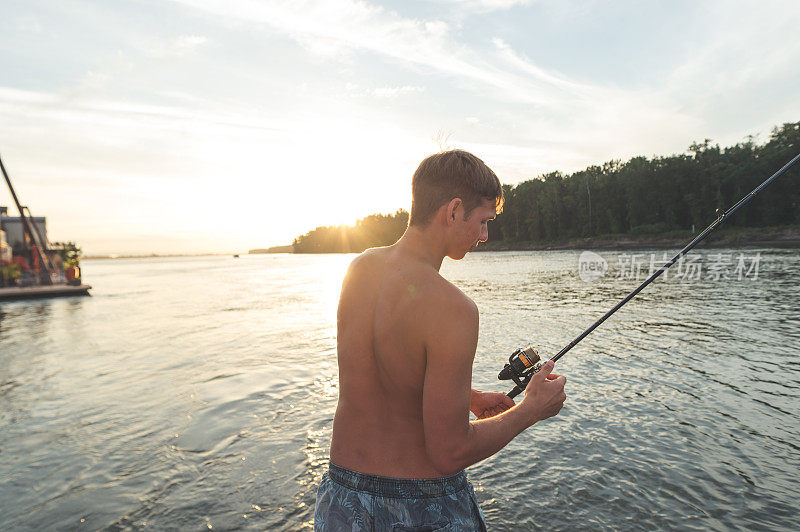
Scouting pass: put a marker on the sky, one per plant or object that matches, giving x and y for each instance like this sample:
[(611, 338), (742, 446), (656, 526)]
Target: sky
[(211, 126)]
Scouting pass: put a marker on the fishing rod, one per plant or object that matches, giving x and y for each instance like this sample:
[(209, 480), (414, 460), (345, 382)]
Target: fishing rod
[(525, 362)]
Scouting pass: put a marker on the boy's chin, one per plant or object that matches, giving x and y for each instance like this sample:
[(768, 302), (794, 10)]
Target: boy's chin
[(459, 255)]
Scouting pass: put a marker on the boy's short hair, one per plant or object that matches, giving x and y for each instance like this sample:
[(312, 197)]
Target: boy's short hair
[(452, 174)]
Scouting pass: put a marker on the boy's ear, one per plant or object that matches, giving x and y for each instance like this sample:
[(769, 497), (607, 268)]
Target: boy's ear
[(452, 209)]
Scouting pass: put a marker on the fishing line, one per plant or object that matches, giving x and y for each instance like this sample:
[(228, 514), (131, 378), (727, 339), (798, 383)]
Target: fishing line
[(525, 362)]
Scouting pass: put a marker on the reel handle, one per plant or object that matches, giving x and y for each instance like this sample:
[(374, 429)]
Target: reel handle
[(522, 365)]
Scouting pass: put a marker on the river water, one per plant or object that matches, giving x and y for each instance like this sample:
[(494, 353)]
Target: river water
[(198, 393)]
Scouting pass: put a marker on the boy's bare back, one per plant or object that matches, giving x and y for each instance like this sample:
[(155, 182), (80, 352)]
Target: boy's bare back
[(389, 306)]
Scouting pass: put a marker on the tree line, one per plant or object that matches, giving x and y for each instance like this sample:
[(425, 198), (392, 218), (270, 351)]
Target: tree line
[(372, 231), (641, 196), (658, 195)]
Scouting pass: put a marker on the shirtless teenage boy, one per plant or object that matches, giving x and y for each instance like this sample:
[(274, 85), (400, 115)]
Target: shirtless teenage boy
[(406, 339)]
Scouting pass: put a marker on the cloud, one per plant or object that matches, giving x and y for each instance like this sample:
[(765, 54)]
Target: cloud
[(392, 92), (178, 47), (190, 41), (485, 6), (355, 26), (500, 73), (342, 25), (385, 92), (29, 24)]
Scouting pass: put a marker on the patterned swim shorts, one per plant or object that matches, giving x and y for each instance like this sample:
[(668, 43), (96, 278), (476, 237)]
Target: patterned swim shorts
[(353, 501)]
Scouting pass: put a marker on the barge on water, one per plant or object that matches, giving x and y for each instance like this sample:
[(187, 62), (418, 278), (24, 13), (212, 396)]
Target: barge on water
[(38, 292), (30, 266)]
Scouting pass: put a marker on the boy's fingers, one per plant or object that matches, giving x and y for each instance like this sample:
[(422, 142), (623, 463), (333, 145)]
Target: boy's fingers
[(545, 370)]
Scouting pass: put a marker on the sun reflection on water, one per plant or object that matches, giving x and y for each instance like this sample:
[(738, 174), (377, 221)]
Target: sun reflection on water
[(329, 273)]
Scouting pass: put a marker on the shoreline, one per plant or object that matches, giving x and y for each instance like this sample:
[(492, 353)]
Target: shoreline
[(788, 236), (770, 237), (153, 256)]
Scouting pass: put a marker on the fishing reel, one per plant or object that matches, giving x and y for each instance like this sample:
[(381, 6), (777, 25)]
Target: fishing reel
[(522, 365)]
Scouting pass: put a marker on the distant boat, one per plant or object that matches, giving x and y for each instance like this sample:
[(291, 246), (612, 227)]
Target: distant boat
[(30, 266), (236, 256)]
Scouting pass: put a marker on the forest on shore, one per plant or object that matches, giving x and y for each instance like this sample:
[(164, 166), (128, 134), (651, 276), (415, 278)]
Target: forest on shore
[(642, 196), (369, 232)]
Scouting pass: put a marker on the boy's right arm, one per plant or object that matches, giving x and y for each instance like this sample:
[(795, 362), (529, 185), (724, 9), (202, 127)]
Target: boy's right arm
[(452, 441)]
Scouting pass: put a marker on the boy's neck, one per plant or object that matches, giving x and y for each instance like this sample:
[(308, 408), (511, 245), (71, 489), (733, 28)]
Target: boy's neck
[(424, 244)]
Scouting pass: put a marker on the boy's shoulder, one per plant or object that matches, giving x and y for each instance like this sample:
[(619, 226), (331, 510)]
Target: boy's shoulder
[(423, 282)]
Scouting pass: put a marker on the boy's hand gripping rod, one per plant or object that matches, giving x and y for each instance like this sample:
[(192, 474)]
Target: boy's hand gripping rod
[(525, 361)]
